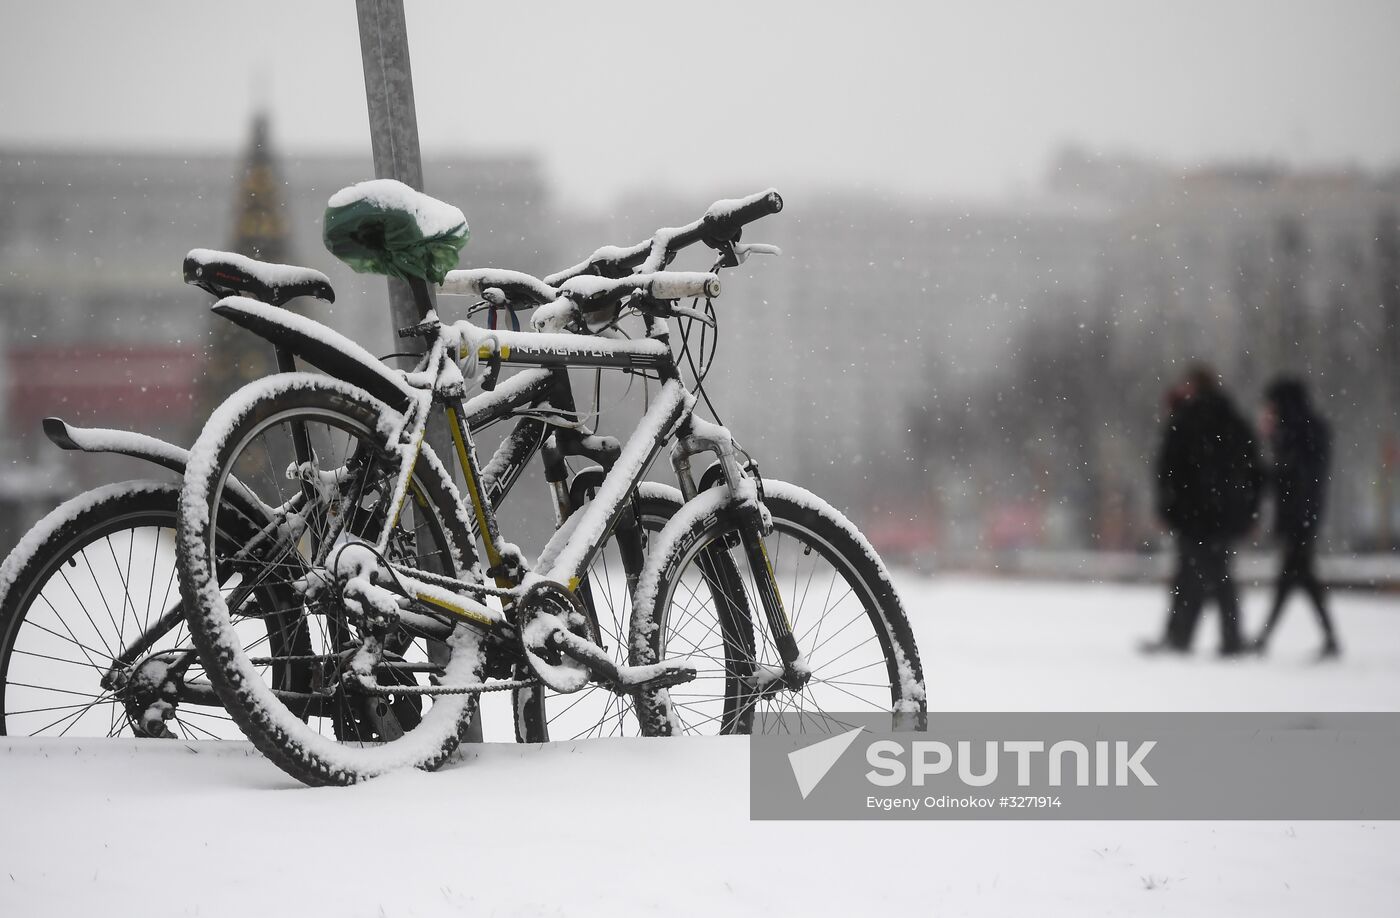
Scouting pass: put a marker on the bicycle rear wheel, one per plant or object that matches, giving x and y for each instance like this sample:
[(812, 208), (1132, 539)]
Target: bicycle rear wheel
[(92, 628), (845, 614)]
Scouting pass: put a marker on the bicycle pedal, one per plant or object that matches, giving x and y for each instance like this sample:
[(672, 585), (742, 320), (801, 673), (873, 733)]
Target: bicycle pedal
[(667, 680), (654, 676)]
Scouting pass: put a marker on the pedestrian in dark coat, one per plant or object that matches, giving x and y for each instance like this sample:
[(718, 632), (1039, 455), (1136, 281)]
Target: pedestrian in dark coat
[(1301, 444), (1209, 480)]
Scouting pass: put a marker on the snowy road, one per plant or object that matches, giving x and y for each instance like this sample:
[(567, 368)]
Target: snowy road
[(617, 827)]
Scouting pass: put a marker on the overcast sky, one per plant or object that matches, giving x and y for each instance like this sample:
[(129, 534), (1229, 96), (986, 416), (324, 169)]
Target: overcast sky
[(958, 99)]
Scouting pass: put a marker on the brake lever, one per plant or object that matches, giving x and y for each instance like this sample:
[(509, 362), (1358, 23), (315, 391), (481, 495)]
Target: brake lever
[(685, 311), (733, 253), (670, 309), (728, 253), (743, 250)]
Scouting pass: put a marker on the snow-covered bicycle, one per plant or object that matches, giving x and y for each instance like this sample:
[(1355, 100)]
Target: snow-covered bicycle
[(92, 629), (755, 596)]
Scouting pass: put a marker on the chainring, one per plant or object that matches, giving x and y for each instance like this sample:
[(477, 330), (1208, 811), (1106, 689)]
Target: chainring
[(546, 608)]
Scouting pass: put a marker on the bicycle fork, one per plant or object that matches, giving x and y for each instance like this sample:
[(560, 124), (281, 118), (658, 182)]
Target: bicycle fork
[(752, 525)]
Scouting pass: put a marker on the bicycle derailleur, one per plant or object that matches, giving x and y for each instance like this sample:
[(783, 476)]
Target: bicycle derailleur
[(150, 690)]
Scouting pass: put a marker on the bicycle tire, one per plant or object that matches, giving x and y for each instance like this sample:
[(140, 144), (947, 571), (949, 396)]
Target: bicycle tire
[(289, 743), (599, 592), (101, 529), (703, 525)]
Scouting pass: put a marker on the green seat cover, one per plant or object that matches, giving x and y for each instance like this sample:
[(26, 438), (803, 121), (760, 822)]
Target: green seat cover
[(386, 227)]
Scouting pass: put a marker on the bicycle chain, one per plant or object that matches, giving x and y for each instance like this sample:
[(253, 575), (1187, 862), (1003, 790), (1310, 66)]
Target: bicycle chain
[(503, 685), (450, 583), (302, 658)]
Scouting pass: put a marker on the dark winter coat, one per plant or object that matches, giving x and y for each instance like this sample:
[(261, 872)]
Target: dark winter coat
[(1302, 451), (1209, 476)]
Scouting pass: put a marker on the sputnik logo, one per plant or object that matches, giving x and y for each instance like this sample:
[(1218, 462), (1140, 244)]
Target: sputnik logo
[(810, 764)]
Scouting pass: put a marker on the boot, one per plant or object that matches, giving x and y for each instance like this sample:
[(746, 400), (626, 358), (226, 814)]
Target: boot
[(1161, 646)]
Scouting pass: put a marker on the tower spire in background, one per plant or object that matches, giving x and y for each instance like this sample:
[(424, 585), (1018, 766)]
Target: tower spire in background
[(260, 222), (260, 231)]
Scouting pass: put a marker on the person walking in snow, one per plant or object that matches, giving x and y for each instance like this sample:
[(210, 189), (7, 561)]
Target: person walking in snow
[(1209, 480), (1301, 444)]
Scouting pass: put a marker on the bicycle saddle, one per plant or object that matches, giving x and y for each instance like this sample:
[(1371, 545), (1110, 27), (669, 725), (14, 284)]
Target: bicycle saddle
[(229, 274)]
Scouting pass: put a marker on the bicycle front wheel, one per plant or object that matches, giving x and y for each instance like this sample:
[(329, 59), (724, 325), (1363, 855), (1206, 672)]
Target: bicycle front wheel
[(606, 593), (322, 455), (846, 617)]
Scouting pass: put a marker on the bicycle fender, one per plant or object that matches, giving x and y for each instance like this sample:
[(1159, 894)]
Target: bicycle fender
[(319, 345), (122, 442), (139, 446)]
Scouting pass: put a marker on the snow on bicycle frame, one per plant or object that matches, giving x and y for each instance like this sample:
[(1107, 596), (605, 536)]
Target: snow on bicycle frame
[(565, 562), (548, 616)]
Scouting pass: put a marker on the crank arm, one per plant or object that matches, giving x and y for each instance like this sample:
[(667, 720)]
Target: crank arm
[(621, 679)]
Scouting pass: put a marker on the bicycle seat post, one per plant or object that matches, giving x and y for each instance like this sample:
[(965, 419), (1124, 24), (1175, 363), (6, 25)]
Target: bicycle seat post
[(422, 297)]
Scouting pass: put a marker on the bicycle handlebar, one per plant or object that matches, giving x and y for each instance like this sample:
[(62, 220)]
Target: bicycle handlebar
[(591, 293), (721, 223), (606, 278)]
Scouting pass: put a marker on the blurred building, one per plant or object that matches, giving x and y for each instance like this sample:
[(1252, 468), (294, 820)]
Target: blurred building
[(1255, 268), (101, 330), (966, 377), (990, 377), (877, 307)]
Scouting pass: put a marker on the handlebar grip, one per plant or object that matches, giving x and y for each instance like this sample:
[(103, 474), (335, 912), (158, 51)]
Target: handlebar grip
[(721, 223), (677, 285), (726, 218)]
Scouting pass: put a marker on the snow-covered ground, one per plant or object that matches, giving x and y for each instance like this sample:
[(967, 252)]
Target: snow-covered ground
[(1028, 646), (625, 827)]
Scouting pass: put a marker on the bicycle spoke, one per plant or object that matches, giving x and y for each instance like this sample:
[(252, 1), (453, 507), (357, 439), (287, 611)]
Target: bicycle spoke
[(76, 715)]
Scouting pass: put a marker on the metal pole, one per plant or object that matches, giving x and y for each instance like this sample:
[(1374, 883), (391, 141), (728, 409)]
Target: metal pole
[(393, 134), (393, 119)]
